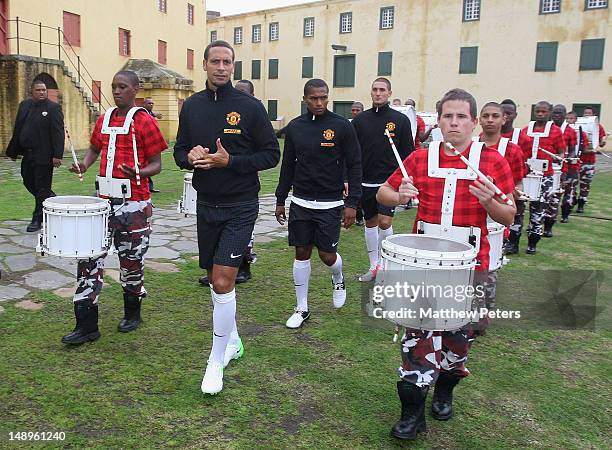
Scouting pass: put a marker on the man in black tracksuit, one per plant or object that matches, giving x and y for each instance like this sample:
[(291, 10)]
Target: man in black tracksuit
[(379, 162), (226, 137), (319, 147)]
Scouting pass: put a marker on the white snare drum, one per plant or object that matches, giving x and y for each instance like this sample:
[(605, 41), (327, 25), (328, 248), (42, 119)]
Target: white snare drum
[(187, 205), (74, 227), (556, 186), (532, 186), (439, 270), (496, 243)]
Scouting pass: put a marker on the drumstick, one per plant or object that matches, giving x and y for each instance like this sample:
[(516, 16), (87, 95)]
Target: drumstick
[(74, 156), (135, 155), (484, 179), (599, 152), (396, 153), (552, 154)]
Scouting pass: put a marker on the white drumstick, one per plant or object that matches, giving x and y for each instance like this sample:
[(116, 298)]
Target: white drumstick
[(74, 156), (484, 179), (136, 168), (599, 152), (551, 154), (397, 156)]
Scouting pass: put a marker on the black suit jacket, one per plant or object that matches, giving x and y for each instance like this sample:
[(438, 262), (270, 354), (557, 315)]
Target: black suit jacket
[(48, 141)]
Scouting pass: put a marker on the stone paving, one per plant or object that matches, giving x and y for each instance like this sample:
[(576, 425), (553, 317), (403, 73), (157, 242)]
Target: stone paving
[(174, 237)]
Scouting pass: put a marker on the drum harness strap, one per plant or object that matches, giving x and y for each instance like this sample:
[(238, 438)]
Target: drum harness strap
[(128, 125), (536, 138), (451, 175), (515, 136)]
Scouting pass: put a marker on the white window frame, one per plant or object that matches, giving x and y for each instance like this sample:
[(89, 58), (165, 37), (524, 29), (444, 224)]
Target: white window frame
[(190, 13), (596, 4), (550, 6), (309, 26), (162, 6), (471, 10), (213, 33), (387, 22), (346, 22), (274, 31), (237, 35), (256, 33)]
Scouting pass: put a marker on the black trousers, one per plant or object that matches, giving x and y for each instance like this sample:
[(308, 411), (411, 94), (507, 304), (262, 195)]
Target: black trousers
[(37, 180)]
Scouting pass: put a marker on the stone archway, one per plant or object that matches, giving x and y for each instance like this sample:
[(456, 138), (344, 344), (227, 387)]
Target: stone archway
[(52, 89)]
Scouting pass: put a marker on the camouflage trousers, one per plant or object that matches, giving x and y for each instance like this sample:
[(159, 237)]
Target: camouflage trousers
[(129, 230), (517, 226), (587, 172), (426, 353), (537, 208), (552, 209), (569, 185), (490, 288)]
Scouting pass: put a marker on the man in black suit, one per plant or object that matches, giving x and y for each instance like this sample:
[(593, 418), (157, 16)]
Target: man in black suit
[(38, 136)]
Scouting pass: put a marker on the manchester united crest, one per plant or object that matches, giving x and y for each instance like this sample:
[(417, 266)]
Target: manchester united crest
[(329, 134), (233, 118), (391, 126)]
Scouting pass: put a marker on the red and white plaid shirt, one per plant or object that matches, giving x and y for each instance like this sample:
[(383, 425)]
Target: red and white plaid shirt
[(420, 129), (571, 140), (149, 142), (590, 157), (514, 156), (467, 210), (554, 143)]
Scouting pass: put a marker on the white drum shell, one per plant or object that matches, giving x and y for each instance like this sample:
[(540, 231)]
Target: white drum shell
[(188, 204), (496, 244), (532, 186), (418, 266), (556, 186), (74, 227)]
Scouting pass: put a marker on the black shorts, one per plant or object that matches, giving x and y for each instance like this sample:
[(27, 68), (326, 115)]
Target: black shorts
[(224, 232), (318, 227), (370, 206)]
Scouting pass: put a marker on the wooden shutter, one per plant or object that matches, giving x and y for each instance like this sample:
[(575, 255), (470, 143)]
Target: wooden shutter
[(307, 66), (161, 52), (72, 29)]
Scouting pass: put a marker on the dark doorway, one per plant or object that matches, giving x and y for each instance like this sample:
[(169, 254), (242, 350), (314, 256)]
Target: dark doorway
[(52, 89)]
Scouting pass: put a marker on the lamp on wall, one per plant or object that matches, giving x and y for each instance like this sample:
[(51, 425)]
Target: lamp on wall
[(337, 47)]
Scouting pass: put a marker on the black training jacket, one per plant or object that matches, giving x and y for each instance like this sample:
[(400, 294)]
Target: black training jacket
[(242, 124), (319, 150), (377, 156)]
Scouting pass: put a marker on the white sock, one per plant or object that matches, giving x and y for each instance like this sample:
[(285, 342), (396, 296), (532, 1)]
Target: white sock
[(336, 269), (224, 317), (301, 277), (382, 235), (371, 238)]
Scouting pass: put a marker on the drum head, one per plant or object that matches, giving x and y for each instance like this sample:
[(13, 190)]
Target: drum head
[(75, 203), (428, 243)]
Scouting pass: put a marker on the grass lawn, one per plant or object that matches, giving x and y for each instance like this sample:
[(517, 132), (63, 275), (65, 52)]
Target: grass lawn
[(328, 385)]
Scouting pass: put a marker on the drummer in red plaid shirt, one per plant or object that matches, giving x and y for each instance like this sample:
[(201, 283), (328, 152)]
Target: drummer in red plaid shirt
[(435, 357)]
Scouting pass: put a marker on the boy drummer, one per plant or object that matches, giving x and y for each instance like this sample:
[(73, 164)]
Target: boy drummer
[(434, 357), (130, 144)]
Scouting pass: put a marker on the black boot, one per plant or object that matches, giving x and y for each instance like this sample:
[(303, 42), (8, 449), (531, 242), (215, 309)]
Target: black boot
[(204, 280), (548, 225), (244, 273), (35, 225), (442, 402), (513, 243), (412, 420), (565, 213), (131, 308), (86, 328), (532, 241), (581, 203)]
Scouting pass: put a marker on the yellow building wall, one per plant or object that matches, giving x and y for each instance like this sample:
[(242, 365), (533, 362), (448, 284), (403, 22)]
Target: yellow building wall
[(426, 41), (99, 49)]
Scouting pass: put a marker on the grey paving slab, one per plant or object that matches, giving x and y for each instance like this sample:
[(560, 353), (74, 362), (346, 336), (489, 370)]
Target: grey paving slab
[(19, 263), (10, 248), (157, 241), (162, 253), (15, 222), (68, 265), (111, 262), (12, 292), (167, 223), (26, 240), (260, 229), (47, 279), (8, 232), (185, 246), (189, 234)]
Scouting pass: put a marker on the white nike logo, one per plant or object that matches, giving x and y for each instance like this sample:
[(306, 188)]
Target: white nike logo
[(333, 245), (235, 256)]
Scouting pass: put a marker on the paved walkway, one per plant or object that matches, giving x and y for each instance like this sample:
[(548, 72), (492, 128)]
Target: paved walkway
[(173, 238)]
